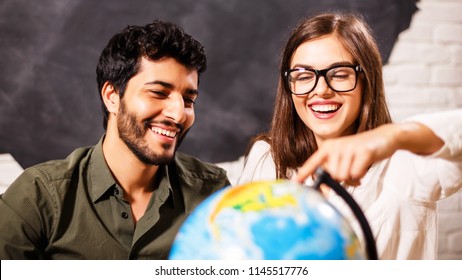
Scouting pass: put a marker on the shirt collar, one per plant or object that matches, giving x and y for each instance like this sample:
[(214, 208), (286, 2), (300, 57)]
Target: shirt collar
[(101, 179), (164, 189)]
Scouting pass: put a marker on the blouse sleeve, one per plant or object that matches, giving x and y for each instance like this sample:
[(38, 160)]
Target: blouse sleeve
[(448, 126), (433, 177), (258, 165)]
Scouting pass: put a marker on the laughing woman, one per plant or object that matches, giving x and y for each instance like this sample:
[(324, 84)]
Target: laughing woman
[(330, 111)]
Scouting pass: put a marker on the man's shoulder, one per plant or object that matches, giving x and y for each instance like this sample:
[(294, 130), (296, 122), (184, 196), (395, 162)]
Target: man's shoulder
[(47, 180), (193, 167), (59, 169), (197, 178)]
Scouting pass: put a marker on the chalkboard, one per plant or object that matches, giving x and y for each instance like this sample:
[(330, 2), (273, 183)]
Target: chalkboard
[(49, 102)]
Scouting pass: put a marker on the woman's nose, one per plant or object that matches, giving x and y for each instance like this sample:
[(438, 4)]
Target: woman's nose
[(322, 88)]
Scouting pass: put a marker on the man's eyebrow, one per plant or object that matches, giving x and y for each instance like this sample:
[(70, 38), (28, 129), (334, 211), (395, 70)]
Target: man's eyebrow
[(162, 83), (189, 91)]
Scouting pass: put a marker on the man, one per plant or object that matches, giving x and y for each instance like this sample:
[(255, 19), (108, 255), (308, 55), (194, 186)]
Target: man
[(126, 197)]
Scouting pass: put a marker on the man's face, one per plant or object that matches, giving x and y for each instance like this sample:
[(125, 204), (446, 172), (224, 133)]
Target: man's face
[(157, 109)]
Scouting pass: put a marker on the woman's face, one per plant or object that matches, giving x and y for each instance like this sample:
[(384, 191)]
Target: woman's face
[(329, 114)]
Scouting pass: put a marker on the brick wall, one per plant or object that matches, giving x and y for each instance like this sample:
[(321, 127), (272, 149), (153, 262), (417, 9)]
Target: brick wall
[(424, 74)]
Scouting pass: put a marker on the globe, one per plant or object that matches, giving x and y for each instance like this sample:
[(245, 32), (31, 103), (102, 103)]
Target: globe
[(266, 220)]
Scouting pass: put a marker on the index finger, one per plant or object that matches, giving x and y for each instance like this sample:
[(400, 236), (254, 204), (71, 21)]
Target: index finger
[(310, 166)]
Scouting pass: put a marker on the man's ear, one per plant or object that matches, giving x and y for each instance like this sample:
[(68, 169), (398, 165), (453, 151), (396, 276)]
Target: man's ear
[(110, 98)]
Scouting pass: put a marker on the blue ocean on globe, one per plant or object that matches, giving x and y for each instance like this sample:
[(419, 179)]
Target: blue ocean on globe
[(266, 220)]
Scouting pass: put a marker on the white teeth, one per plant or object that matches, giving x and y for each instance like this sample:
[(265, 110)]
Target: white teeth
[(325, 108), (164, 132)]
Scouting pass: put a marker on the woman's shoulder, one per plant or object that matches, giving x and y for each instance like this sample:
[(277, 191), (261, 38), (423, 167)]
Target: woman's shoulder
[(260, 147), (259, 164)]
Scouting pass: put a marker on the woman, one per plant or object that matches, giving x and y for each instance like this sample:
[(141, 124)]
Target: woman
[(330, 111)]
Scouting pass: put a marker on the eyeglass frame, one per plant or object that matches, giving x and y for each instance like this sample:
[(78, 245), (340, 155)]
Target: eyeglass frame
[(322, 73)]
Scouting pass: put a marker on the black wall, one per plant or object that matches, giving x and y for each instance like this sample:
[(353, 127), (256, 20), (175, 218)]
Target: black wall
[(49, 102)]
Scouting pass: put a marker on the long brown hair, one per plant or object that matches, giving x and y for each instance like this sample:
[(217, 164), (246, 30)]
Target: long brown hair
[(292, 142)]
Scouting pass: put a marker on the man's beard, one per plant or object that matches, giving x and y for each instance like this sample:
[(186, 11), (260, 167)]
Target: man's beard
[(132, 134)]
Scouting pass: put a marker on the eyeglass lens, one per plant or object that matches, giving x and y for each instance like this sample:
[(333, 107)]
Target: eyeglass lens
[(341, 79)]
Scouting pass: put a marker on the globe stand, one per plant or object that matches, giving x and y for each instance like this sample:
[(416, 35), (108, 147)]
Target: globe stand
[(322, 177)]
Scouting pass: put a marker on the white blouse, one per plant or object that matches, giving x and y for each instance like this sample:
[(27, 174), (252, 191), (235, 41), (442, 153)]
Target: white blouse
[(398, 195)]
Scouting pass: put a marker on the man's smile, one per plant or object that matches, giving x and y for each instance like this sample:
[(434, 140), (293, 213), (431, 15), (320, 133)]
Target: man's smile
[(165, 132)]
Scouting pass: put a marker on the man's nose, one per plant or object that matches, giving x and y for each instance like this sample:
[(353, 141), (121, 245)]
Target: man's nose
[(175, 108)]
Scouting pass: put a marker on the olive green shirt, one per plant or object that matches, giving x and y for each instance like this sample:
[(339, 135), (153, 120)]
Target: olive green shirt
[(74, 209)]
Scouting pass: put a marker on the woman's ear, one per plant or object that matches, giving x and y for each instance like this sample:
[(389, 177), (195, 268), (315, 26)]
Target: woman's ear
[(110, 98)]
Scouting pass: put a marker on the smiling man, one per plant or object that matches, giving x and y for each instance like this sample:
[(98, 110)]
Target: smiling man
[(125, 197)]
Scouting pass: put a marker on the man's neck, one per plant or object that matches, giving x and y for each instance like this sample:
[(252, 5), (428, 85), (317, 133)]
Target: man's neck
[(130, 173)]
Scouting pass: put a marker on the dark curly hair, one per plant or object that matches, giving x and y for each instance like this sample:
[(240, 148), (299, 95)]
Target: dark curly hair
[(120, 59)]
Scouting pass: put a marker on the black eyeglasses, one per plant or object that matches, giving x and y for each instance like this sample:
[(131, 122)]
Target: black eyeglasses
[(339, 78)]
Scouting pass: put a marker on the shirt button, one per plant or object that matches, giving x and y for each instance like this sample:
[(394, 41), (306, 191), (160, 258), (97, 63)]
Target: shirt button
[(116, 191), (124, 215)]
